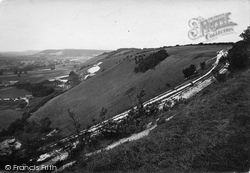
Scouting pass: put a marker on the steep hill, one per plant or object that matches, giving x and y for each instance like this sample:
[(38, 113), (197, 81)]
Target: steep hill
[(209, 133), (117, 54), (116, 87)]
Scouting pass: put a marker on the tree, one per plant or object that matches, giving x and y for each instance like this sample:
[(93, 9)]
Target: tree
[(103, 113), (74, 122), (246, 34), (202, 65), (72, 74), (83, 138), (189, 71), (238, 56), (140, 102), (74, 78)]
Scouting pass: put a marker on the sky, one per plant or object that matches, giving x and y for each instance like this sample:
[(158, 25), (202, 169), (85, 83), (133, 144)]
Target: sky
[(111, 24)]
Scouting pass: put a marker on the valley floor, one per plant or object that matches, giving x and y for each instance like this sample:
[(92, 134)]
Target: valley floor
[(208, 133)]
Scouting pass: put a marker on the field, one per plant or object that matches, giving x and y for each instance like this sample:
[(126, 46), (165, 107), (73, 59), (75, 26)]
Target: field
[(39, 75), (12, 92), (116, 87)]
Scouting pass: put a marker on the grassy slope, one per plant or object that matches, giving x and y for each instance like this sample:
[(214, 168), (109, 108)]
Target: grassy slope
[(209, 133), (116, 88)]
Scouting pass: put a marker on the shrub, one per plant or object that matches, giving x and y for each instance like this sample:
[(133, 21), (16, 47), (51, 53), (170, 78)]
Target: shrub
[(202, 65), (189, 71)]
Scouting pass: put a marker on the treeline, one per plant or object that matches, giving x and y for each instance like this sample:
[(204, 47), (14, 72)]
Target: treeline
[(37, 90), (149, 62), (22, 125)]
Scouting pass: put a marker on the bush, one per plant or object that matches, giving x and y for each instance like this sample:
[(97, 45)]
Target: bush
[(202, 65), (189, 71)]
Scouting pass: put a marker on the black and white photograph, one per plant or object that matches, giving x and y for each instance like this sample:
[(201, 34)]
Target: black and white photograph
[(124, 86)]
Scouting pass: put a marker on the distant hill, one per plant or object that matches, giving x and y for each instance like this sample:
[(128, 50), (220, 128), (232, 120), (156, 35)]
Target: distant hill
[(23, 53), (110, 55), (72, 53)]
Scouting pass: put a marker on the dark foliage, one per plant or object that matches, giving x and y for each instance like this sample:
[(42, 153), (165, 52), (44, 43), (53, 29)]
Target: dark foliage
[(144, 64), (72, 73), (22, 125), (238, 56), (246, 34), (15, 71), (203, 65), (136, 120), (189, 71), (37, 90)]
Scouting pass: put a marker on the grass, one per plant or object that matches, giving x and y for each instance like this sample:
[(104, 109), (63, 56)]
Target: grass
[(13, 92), (208, 133), (116, 88)]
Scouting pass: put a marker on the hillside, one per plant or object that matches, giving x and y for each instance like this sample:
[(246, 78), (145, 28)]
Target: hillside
[(116, 87), (113, 56), (209, 133)]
